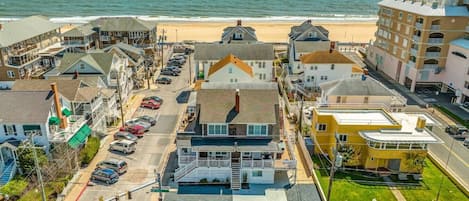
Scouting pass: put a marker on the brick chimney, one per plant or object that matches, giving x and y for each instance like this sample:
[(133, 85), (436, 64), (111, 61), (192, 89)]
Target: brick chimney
[(58, 107), (308, 21), (238, 22), (237, 101), (1, 27), (332, 47)]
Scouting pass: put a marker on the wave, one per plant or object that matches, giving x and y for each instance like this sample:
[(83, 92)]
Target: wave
[(320, 17)]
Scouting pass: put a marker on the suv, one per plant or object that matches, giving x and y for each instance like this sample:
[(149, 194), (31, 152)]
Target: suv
[(108, 175), (136, 130), (117, 165), (123, 135), (456, 129), (124, 146)]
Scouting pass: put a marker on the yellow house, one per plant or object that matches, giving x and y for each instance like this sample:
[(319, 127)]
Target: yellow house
[(374, 139)]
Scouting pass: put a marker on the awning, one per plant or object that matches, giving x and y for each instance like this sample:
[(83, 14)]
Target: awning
[(80, 136), (54, 121), (66, 112)]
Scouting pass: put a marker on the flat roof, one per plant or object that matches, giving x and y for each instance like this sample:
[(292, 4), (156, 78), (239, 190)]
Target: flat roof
[(407, 133), (359, 117)]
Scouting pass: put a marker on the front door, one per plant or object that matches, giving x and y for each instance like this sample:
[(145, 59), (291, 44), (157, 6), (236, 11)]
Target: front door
[(394, 164)]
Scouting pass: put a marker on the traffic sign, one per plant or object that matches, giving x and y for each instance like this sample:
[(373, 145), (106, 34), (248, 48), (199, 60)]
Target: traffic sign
[(157, 190)]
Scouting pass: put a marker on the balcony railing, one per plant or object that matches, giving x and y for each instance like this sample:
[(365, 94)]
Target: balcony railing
[(75, 42), (75, 122), (430, 66), (413, 52), (260, 163), (411, 64), (185, 159), (435, 27), (418, 25), (435, 40), (23, 51), (105, 38), (213, 162), (416, 38), (432, 54)]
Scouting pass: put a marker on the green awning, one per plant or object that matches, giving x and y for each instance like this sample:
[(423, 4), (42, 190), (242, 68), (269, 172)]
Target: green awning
[(54, 121), (80, 136), (66, 112)]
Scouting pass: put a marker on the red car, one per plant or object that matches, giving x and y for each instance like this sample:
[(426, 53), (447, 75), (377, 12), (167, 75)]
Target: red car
[(150, 104), (134, 129)]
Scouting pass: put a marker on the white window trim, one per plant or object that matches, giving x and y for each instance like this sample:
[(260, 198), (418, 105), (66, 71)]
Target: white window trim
[(11, 74), (251, 134), (217, 134), (346, 138), (317, 127)]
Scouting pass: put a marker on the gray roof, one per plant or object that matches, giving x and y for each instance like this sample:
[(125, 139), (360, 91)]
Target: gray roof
[(242, 51), (86, 94), (308, 46), (355, 87), (256, 106), (301, 33), (136, 55), (25, 106), (122, 24), (247, 85), (80, 31), (90, 81), (100, 61), (249, 34), (68, 88), (23, 29)]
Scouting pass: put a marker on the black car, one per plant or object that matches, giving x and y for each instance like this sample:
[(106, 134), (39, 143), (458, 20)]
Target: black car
[(146, 118), (155, 98), (168, 72), (163, 80), (174, 63), (175, 69)]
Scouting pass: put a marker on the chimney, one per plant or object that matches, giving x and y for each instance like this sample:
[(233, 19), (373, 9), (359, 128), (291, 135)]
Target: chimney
[(332, 46), (238, 23), (1, 27), (308, 21), (58, 107), (421, 122), (237, 101)]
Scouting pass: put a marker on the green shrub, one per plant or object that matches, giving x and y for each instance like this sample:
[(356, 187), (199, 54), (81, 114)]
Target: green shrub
[(216, 180), (204, 181), (15, 187), (89, 151)]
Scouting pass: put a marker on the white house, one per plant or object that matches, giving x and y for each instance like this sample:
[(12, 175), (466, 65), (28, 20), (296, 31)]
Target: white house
[(109, 67), (323, 66), (231, 69), (239, 34), (360, 92), (456, 74), (304, 39), (260, 57)]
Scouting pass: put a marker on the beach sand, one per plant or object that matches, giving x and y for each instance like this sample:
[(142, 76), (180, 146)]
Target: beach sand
[(361, 32)]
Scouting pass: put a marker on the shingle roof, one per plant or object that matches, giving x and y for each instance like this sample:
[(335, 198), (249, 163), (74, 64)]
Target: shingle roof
[(25, 106), (91, 81), (86, 94), (80, 31), (325, 57), (308, 46), (134, 54), (249, 34), (355, 87), (233, 60), (107, 92), (300, 33), (122, 24), (256, 106), (242, 51), (68, 88), (23, 29), (239, 85), (100, 61)]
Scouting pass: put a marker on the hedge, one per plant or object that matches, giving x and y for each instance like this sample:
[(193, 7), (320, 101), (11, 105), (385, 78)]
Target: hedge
[(90, 150)]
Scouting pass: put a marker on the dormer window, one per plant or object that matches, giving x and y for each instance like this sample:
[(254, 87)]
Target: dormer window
[(313, 35), (238, 36)]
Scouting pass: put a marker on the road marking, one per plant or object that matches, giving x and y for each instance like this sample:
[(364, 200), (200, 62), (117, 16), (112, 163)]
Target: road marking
[(456, 155)]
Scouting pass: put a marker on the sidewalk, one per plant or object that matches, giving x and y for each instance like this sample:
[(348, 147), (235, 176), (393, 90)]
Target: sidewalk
[(84, 174)]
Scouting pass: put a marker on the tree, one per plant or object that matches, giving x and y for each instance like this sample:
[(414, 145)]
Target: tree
[(415, 161), (26, 158)]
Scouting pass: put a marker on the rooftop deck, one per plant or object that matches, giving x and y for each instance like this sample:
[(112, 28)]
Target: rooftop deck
[(359, 117)]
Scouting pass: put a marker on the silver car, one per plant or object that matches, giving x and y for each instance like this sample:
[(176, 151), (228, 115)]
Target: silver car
[(139, 122)]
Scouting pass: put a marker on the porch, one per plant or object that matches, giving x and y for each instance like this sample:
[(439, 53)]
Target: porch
[(8, 157), (75, 133)]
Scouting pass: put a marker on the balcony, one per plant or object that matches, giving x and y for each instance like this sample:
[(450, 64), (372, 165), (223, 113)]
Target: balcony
[(416, 38), (418, 25), (23, 50), (209, 162), (411, 64), (75, 122), (435, 41), (430, 66), (257, 163), (105, 38), (432, 54), (75, 42), (435, 28), (413, 52)]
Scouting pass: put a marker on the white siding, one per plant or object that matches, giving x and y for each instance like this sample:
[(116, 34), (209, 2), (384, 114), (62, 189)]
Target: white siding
[(340, 71), (208, 173), (236, 75), (456, 71)]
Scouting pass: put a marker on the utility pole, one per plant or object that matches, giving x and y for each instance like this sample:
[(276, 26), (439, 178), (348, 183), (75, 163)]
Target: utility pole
[(158, 179), (162, 38), (38, 170), (120, 96), (148, 75), (190, 68), (336, 162)]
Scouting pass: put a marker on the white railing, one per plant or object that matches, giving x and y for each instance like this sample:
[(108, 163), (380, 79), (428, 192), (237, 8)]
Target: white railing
[(105, 38), (430, 66), (413, 51), (435, 40), (75, 122), (213, 163), (285, 164), (183, 171), (435, 27), (98, 102), (185, 159), (418, 25), (411, 64), (252, 163), (416, 38), (432, 54)]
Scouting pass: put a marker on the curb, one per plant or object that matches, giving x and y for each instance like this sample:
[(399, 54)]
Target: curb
[(459, 184)]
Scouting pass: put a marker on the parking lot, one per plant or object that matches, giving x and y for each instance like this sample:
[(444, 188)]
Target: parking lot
[(152, 148)]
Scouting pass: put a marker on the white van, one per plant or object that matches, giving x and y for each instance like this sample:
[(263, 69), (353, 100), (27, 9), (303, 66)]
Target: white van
[(124, 146), (466, 142)]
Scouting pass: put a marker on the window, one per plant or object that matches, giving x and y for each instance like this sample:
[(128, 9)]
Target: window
[(366, 99), (231, 80), (332, 66), (312, 67), (218, 155), (263, 64), (263, 76), (396, 38), (394, 50), (230, 70), (82, 66), (338, 99), (322, 77), (321, 127), (459, 54), (246, 154), (217, 129), (403, 54), (343, 138), (9, 129), (407, 30), (257, 130), (325, 77), (32, 130), (400, 15), (257, 173), (398, 27), (10, 74), (409, 18), (404, 42)]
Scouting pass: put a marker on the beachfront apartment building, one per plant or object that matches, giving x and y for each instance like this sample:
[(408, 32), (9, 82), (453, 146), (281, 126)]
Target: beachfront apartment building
[(364, 92), (233, 137), (413, 38), (231, 69), (112, 70), (41, 117), (324, 66), (80, 39), (456, 74), (239, 34), (373, 139), (21, 43), (260, 57), (304, 39)]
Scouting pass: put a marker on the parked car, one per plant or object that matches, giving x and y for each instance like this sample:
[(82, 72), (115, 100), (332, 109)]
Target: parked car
[(136, 130), (466, 142), (155, 98), (173, 68), (175, 63), (466, 105), (456, 129), (133, 122), (168, 72), (124, 146), (148, 119), (152, 104), (108, 175), (119, 166), (124, 135), (163, 80)]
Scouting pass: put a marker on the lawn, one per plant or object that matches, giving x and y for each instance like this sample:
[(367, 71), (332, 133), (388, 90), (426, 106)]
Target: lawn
[(344, 189), (431, 179)]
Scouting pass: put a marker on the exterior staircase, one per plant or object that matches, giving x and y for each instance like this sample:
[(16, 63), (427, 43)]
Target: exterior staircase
[(8, 173), (235, 175), (183, 171)]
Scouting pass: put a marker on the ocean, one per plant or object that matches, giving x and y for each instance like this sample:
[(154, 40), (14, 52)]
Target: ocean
[(81, 11)]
